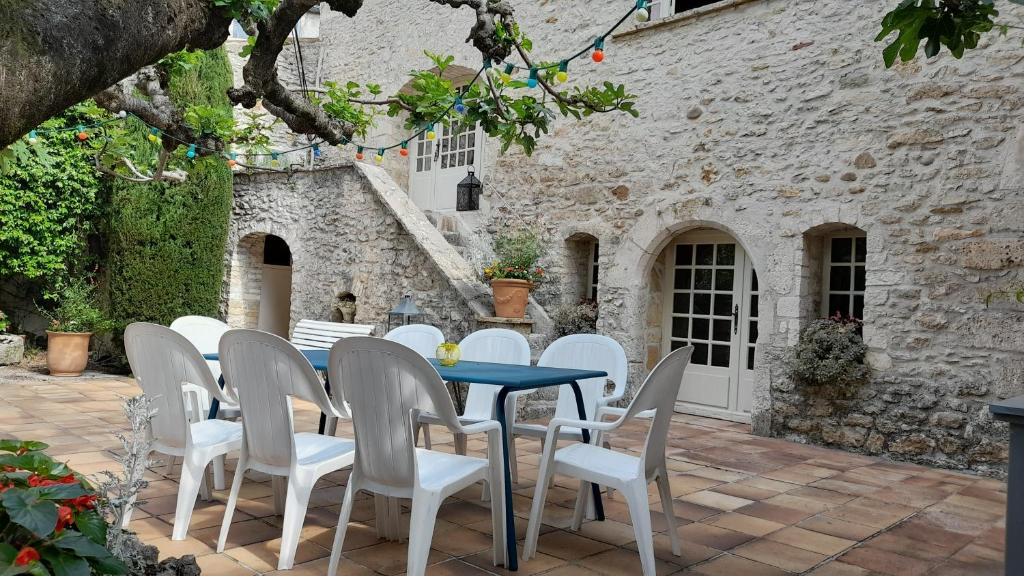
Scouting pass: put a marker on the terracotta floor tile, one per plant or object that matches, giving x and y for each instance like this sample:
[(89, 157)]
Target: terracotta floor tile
[(569, 546), (839, 569), (222, 565), (746, 524), (871, 512), (390, 557), (780, 514), (779, 555), (744, 491), (621, 561), (715, 500), (460, 541), (838, 528), (885, 562), (536, 565), (455, 567), (572, 570), (729, 565), (609, 531), (241, 533), (319, 567), (713, 536), (810, 540), (263, 556)]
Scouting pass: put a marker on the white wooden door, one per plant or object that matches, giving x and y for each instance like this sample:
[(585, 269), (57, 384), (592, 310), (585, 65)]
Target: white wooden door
[(707, 303), (437, 167)]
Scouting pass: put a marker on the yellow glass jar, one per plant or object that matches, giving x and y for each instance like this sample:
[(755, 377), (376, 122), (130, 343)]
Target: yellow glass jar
[(448, 354)]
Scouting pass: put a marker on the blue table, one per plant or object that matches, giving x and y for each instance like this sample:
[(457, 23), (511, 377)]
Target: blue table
[(511, 378)]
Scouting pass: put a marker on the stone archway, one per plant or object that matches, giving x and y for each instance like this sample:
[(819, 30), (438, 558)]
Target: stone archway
[(259, 292)]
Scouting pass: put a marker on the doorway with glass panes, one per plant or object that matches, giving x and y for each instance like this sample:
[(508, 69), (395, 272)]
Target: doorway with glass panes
[(711, 302), (437, 166)]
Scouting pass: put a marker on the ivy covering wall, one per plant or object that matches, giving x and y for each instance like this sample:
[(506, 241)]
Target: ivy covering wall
[(167, 240)]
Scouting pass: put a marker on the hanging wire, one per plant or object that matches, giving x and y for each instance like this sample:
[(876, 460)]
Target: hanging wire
[(303, 86)]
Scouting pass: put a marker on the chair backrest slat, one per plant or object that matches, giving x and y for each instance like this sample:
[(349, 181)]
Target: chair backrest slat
[(491, 345), (162, 360), (266, 371), (585, 352), (420, 337), (384, 382), (322, 335)]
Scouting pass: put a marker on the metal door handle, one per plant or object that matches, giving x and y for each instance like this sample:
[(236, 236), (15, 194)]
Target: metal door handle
[(736, 319)]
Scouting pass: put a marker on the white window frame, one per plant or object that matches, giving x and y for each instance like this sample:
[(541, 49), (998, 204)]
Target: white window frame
[(826, 270), (665, 8)]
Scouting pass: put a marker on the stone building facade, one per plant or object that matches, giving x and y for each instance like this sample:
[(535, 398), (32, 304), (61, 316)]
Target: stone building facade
[(771, 132)]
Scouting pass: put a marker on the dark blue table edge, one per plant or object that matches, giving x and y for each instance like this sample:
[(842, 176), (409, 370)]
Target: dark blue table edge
[(512, 563)]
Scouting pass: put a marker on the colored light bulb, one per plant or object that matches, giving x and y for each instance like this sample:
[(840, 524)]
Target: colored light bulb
[(506, 75), (598, 54), (642, 14), (32, 139), (232, 160), (359, 153), (430, 132), (191, 151), (563, 71), (532, 82), (82, 134), (316, 151), (460, 107), (404, 150), (379, 158), (273, 160)]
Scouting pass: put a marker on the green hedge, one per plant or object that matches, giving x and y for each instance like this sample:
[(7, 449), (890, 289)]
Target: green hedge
[(166, 253), (48, 205)]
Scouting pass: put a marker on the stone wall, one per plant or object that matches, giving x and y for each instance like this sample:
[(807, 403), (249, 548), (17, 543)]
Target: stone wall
[(772, 120), (342, 239)]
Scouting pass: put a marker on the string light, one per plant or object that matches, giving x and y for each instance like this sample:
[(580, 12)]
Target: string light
[(232, 160), (643, 13), (563, 71), (640, 10), (379, 158), (506, 75)]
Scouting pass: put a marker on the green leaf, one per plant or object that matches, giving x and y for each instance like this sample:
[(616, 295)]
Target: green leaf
[(92, 525), (26, 510), (80, 545), (59, 491), (7, 445), (65, 564)]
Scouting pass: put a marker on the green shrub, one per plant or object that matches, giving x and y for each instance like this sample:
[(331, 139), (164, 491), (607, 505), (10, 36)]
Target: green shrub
[(517, 255), (166, 256), (830, 353), (49, 200), (77, 310)]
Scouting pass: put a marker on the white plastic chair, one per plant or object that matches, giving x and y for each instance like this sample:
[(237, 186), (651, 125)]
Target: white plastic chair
[(490, 345), (582, 352), (169, 368), (424, 339), (384, 382), (592, 463), (267, 373), (204, 333)]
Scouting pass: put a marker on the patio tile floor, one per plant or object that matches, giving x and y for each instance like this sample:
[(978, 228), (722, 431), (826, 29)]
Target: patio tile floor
[(745, 505)]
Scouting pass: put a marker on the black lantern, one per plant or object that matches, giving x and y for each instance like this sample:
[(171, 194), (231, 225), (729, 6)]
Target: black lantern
[(404, 313), (468, 193)]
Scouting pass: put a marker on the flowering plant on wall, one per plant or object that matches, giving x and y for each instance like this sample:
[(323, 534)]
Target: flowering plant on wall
[(517, 255)]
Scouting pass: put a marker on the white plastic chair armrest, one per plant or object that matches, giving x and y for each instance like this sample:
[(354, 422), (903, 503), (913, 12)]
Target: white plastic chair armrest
[(620, 412), (480, 427), (612, 398)]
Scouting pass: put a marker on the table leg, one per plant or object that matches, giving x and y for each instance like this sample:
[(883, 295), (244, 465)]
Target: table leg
[(598, 505), (512, 562), (214, 403), (1015, 502), (323, 417)]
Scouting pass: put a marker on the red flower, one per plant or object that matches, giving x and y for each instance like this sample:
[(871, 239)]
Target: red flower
[(65, 518), (83, 502), (27, 555), (69, 479), (7, 487)]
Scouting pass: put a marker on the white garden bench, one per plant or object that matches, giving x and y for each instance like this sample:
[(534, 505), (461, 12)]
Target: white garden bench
[(316, 334)]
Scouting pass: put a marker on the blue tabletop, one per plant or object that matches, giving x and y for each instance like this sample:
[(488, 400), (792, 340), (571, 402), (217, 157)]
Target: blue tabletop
[(509, 375)]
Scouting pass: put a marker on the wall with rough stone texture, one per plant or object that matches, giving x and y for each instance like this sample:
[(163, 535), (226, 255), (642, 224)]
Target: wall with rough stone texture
[(342, 239), (771, 120)]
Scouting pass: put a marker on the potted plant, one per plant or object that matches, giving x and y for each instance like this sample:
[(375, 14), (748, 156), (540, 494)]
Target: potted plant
[(72, 323), (514, 272)]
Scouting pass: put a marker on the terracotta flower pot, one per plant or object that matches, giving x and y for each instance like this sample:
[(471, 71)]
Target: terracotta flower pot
[(67, 352), (510, 297)]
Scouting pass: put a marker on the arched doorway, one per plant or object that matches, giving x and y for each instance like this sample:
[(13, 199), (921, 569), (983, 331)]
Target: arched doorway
[(710, 300), (261, 284), (437, 166)]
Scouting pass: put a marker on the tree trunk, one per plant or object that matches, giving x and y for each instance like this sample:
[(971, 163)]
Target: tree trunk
[(55, 53)]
